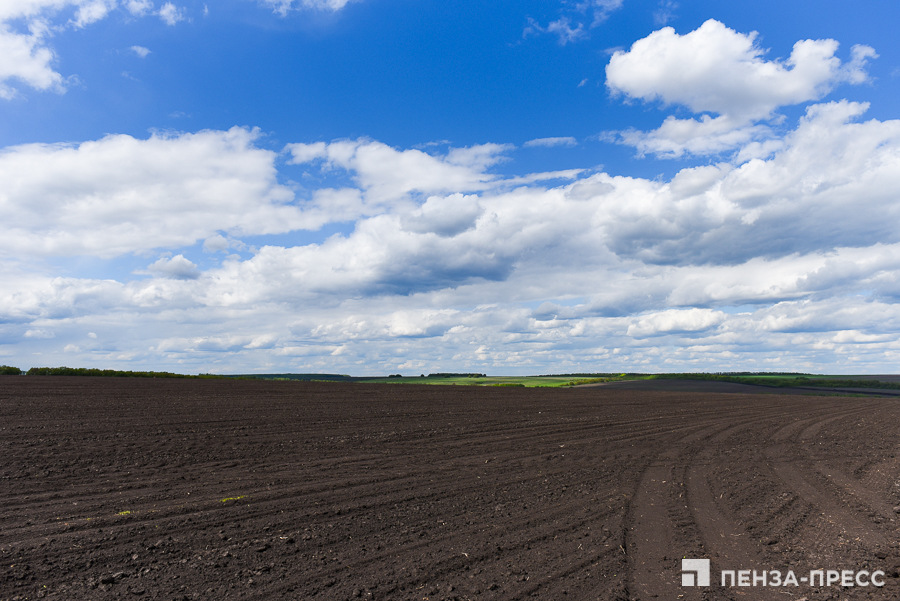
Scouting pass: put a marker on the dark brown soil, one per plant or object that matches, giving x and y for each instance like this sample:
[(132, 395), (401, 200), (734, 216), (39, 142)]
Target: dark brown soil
[(215, 489)]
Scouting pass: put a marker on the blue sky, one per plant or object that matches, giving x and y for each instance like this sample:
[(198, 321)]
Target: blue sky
[(410, 186)]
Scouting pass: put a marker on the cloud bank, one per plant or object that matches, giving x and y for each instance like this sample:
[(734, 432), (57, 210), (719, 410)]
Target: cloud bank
[(450, 264), (784, 256)]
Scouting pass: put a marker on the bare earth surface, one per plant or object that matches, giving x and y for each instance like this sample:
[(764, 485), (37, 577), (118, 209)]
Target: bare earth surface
[(215, 489)]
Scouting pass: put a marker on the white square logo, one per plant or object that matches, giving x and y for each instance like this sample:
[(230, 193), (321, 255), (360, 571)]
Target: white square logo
[(694, 572)]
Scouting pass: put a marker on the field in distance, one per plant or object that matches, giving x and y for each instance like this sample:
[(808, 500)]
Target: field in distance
[(735, 382), (700, 382)]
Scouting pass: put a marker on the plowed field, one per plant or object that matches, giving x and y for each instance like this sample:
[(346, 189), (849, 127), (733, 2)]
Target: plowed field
[(215, 489)]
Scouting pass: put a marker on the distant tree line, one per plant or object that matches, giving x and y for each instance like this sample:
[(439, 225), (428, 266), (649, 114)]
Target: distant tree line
[(110, 373), (8, 370)]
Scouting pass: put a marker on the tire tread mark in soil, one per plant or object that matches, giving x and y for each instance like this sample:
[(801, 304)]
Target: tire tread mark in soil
[(729, 546), (650, 539), (841, 522), (883, 477), (874, 501)]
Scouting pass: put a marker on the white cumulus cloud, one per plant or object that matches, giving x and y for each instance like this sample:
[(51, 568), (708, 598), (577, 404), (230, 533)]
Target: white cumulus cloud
[(140, 51), (26, 26), (171, 14), (716, 70), (25, 57), (385, 173), (121, 195), (284, 6), (39, 334), (177, 267), (675, 320), (138, 8), (549, 142), (445, 216)]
